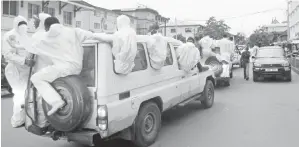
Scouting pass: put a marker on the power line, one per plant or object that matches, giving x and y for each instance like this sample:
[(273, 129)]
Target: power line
[(244, 15)]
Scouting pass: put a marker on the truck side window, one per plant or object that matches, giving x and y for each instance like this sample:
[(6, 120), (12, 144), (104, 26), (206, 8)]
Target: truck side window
[(88, 69), (169, 59), (140, 59)]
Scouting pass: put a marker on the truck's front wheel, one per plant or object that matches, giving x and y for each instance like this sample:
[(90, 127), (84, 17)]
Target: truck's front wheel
[(147, 125)]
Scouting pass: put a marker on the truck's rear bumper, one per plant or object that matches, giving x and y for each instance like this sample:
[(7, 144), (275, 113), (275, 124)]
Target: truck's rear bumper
[(85, 138)]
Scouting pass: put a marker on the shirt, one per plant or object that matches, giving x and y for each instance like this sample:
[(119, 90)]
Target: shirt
[(245, 57)]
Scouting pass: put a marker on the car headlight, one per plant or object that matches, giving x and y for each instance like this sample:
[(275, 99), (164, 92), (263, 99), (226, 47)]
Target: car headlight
[(286, 64), (257, 64)]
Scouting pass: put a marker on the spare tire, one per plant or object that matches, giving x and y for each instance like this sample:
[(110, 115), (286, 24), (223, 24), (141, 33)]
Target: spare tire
[(78, 104), (215, 64)]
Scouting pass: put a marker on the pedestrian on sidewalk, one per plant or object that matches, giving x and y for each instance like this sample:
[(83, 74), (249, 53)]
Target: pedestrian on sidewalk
[(245, 57)]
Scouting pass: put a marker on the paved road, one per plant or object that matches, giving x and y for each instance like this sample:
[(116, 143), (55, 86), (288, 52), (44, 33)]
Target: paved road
[(247, 114)]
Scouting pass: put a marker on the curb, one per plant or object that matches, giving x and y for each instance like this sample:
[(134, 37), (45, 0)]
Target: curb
[(296, 70)]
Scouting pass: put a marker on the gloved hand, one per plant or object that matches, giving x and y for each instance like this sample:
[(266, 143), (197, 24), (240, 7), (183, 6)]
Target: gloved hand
[(29, 62)]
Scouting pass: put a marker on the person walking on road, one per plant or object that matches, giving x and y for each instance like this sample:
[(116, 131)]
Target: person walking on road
[(245, 57)]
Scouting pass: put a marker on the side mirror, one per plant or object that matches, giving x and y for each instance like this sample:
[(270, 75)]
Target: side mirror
[(253, 57)]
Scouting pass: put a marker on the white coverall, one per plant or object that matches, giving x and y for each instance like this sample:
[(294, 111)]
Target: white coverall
[(124, 46), (157, 48), (226, 50), (41, 61), (62, 45), (207, 44), (16, 71), (188, 56)]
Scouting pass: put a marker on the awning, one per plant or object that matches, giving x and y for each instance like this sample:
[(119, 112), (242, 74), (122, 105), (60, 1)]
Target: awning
[(77, 4)]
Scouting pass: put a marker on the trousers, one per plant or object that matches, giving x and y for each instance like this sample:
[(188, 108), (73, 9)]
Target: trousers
[(42, 81), (246, 70), (17, 77)]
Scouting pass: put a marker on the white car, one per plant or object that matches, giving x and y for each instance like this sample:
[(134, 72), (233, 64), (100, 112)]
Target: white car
[(103, 105)]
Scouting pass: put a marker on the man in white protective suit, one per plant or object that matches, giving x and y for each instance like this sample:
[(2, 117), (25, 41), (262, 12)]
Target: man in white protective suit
[(41, 61), (63, 46), (17, 70), (207, 44), (226, 50), (157, 48), (124, 46)]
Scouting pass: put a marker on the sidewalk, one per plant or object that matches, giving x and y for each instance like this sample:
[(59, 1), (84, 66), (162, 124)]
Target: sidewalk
[(295, 65)]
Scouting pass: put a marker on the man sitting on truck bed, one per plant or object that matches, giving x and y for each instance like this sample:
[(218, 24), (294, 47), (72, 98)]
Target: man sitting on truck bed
[(62, 45)]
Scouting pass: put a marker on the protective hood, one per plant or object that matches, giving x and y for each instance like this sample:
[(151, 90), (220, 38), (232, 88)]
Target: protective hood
[(42, 17), (124, 46), (157, 48), (17, 20), (123, 21), (55, 30)]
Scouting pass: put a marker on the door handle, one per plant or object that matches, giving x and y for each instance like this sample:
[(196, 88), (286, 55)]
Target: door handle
[(183, 77), (194, 74)]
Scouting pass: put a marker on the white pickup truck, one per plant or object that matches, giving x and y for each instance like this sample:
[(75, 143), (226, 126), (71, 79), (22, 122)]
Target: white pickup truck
[(103, 105)]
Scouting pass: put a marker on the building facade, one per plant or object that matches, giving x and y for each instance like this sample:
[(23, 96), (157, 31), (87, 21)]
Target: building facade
[(293, 17), (146, 17), (279, 27), (100, 20), (185, 29), (64, 10)]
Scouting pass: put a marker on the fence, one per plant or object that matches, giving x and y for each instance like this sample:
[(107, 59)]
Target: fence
[(295, 64)]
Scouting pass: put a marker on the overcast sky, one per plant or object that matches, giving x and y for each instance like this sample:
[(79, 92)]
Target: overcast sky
[(203, 9)]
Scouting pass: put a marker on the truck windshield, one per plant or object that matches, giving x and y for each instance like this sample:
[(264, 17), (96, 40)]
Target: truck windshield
[(270, 53)]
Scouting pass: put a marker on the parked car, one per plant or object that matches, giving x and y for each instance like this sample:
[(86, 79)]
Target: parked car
[(103, 105), (271, 61), (236, 58)]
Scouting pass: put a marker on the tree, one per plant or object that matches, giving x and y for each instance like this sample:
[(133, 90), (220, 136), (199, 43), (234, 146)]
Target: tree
[(263, 37), (180, 37), (240, 38), (155, 26), (215, 29)]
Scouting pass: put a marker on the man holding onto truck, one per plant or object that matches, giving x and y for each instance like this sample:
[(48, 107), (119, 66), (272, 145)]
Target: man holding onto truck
[(62, 46)]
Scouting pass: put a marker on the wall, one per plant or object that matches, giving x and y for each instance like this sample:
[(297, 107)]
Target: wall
[(294, 19), (180, 30), (88, 20)]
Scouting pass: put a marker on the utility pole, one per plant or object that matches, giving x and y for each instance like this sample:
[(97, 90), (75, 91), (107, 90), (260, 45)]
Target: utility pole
[(288, 18), (165, 27)]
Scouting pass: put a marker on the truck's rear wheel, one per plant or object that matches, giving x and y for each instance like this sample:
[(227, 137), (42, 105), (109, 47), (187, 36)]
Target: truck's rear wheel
[(208, 95), (78, 104), (147, 125)]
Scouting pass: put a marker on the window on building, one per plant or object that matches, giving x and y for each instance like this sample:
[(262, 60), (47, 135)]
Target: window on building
[(78, 24), (10, 8), (105, 26), (97, 25), (140, 59), (50, 11), (169, 59), (67, 18), (173, 30), (188, 30), (33, 9)]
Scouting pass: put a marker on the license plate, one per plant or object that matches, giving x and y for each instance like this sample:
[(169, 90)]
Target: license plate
[(272, 69)]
